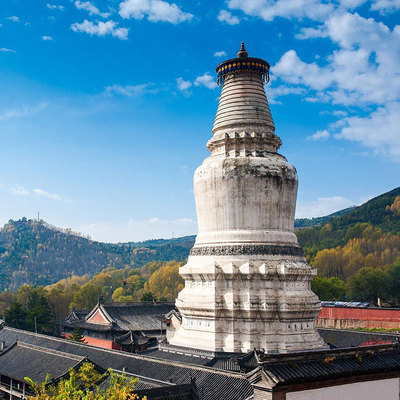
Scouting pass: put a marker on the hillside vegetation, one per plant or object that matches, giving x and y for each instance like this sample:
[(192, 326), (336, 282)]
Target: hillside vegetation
[(34, 252), (356, 253)]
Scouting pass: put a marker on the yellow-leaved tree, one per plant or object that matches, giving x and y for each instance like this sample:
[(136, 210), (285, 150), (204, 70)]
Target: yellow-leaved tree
[(84, 385)]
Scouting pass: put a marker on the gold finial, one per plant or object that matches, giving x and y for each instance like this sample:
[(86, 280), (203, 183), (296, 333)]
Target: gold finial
[(242, 53)]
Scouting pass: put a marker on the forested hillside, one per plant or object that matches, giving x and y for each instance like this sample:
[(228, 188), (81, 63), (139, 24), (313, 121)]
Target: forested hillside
[(34, 252), (357, 255)]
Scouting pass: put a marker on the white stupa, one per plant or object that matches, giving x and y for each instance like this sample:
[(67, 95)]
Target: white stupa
[(247, 282)]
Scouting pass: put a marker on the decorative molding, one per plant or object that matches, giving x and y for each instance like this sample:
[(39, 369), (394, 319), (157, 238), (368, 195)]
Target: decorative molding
[(260, 249)]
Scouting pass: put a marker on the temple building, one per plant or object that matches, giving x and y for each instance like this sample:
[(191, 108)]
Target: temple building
[(129, 327), (247, 282)]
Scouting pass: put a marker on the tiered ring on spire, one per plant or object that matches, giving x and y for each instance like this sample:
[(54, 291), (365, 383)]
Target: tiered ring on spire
[(242, 63)]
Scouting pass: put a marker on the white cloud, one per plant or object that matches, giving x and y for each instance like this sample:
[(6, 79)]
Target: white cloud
[(20, 191), (363, 70), (228, 18), (182, 84), (385, 6), (319, 135), (134, 230), (379, 131), (154, 10), (205, 80), (5, 50), (219, 54), (273, 93), (22, 112), (55, 7), (91, 8), (13, 18), (101, 29), (43, 193), (310, 33), (47, 38), (128, 90), (322, 206), (270, 9)]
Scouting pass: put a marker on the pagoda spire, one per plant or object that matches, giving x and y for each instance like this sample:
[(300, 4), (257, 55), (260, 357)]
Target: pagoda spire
[(242, 52)]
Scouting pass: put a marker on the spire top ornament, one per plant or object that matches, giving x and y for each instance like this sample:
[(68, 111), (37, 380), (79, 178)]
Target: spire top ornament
[(242, 52)]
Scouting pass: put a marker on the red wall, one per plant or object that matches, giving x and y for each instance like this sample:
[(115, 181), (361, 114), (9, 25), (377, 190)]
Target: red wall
[(105, 344), (352, 318)]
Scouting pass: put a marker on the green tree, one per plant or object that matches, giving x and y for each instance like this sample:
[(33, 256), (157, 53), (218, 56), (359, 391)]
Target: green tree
[(369, 284), (16, 316), (393, 282), (329, 288), (77, 335), (40, 315), (87, 296), (148, 296), (83, 385)]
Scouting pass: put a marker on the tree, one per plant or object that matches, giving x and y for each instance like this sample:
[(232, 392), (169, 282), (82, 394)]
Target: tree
[(83, 385), (77, 335), (329, 288), (148, 296), (166, 281), (87, 296), (393, 282), (16, 316), (369, 284)]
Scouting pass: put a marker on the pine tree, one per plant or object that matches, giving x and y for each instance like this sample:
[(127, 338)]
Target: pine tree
[(77, 335)]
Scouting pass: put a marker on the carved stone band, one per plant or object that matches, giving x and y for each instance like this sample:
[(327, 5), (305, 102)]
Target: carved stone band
[(233, 250)]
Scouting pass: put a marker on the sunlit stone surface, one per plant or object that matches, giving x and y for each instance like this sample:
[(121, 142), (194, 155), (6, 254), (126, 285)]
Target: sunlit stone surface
[(247, 282)]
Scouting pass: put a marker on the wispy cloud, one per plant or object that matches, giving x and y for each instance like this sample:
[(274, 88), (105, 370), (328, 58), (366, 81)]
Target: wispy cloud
[(55, 7), (44, 193), (205, 80), (101, 29), (13, 18), (319, 135), (91, 8), (5, 50), (20, 191), (219, 54), (22, 112), (154, 10), (228, 18), (182, 84), (129, 90), (47, 38)]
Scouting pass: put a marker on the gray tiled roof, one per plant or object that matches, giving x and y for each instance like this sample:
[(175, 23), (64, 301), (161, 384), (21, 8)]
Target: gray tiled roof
[(25, 360), (212, 384), (138, 316), (323, 365), (348, 338)]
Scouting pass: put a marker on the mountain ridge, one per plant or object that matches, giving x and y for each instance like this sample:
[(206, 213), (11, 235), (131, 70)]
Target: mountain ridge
[(39, 253)]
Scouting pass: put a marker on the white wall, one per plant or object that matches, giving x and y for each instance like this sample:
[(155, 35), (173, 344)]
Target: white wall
[(386, 389)]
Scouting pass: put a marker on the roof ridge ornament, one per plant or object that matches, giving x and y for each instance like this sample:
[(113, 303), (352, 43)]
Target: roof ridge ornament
[(242, 52)]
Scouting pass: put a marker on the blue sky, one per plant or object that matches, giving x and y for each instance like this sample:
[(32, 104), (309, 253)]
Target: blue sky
[(106, 106)]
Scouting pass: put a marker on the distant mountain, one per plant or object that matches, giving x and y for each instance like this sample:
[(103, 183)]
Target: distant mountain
[(37, 253), (379, 212), (306, 222)]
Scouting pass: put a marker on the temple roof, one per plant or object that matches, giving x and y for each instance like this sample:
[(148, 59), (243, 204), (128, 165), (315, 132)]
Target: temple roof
[(212, 384), (312, 366), (22, 360), (124, 317)]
